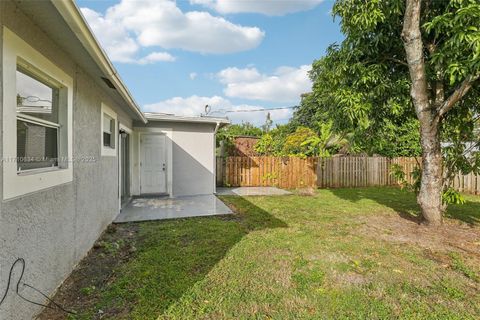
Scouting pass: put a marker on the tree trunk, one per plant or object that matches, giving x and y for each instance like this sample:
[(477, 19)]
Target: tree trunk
[(430, 196), (431, 187)]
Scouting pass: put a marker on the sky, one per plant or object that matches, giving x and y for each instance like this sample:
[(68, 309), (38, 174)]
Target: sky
[(178, 56)]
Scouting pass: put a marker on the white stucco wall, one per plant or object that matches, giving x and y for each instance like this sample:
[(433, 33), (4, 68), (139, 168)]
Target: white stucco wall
[(53, 229), (193, 157)]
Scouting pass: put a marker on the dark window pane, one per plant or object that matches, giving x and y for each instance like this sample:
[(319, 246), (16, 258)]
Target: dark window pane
[(36, 98), (106, 139), (36, 146)]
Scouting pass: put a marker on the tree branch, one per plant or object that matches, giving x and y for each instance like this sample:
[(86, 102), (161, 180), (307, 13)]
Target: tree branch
[(458, 94), (412, 41)]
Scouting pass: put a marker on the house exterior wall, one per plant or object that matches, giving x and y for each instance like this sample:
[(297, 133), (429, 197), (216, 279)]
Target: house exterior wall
[(53, 229), (193, 157)]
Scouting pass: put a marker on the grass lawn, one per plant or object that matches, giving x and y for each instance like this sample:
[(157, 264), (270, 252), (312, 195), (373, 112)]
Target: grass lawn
[(340, 254)]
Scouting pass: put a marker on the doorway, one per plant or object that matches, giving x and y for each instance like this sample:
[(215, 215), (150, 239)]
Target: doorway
[(153, 164)]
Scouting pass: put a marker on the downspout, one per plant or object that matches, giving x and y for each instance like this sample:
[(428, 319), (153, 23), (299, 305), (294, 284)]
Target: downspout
[(217, 126)]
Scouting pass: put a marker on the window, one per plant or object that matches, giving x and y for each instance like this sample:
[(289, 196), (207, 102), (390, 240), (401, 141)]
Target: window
[(109, 131), (37, 122)]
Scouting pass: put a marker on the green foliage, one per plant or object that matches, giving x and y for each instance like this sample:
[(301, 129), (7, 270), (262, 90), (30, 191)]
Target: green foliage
[(455, 28), (318, 145), (452, 196), (271, 143), (228, 133), (243, 129), (396, 171), (265, 145), (303, 142), (297, 143)]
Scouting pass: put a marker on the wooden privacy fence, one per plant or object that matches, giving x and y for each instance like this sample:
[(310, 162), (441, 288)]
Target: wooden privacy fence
[(334, 172), (283, 172), (344, 172)]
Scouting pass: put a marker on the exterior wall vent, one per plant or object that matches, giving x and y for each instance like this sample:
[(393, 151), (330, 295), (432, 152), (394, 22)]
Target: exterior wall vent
[(108, 83)]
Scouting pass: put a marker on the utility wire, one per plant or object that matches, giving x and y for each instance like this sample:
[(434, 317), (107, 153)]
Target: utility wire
[(224, 111), (20, 282), (256, 110)]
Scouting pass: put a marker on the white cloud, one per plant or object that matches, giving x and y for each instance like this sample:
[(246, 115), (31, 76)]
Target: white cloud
[(128, 26), (235, 75), (114, 37), (286, 84), (193, 75), (156, 56), (190, 106), (195, 105), (267, 7)]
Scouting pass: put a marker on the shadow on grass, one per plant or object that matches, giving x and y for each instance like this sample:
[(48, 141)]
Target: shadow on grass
[(405, 204), (171, 257)]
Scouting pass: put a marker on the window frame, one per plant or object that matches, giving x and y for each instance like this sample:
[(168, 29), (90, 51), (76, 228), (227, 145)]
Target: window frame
[(108, 151), (57, 133), (17, 52), (37, 75)]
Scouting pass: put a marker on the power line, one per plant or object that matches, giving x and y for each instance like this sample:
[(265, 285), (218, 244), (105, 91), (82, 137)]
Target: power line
[(256, 110), (224, 111)]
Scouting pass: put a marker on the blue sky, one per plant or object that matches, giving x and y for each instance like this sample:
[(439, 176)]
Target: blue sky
[(232, 54)]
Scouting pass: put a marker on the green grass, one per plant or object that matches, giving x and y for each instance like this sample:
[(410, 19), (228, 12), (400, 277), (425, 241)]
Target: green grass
[(294, 257)]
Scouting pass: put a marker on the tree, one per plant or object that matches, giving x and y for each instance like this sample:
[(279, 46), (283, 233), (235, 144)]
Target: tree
[(320, 144), (268, 123), (295, 142), (271, 143), (444, 39), (389, 136), (401, 62)]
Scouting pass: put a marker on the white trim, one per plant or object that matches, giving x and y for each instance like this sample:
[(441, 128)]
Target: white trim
[(121, 126), (14, 50), (38, 121), (108, 151), (151, 116), (215, 157), (169, 134)]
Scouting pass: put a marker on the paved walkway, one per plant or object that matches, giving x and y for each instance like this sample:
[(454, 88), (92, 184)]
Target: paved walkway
[(252, 191), (145, 209)]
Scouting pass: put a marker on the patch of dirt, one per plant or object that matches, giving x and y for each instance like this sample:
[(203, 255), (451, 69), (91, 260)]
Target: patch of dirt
[(335, 257), (281, 273), (451, 236), (79, 292), (307, 192), (348, 279)]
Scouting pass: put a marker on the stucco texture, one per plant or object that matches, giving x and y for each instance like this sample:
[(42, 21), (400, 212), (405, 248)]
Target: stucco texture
[(53, 229)]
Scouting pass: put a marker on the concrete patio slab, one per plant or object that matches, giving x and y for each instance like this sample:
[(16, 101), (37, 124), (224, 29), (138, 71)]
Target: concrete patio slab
[(146, 209), (252, 191)]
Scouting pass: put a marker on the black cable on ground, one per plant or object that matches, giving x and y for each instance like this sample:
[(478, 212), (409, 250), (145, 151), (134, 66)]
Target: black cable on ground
[(17, 289)]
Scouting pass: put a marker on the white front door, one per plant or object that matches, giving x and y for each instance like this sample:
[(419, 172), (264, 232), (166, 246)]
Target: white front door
[(153, 162)]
